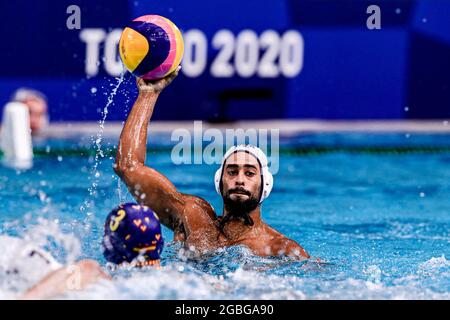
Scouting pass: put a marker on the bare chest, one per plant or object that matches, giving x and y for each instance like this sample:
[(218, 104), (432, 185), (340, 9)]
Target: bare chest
[(259, 241)]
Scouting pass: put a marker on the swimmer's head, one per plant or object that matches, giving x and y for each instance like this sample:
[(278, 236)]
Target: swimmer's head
[(133, 235), (243, 180), (37, 106)]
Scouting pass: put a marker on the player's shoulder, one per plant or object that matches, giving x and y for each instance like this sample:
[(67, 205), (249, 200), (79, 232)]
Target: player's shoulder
[(295, 249), (275, 234), (200, 204), (288, 245)]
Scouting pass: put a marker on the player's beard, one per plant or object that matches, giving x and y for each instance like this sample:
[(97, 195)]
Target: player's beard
[(239, 209)]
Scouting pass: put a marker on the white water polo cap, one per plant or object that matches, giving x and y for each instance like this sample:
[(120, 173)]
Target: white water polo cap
[(266, 176)]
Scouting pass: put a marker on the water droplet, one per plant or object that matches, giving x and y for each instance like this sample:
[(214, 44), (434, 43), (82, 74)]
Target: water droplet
[(424, 20), (398, 11), (93, 90), (406, 109), (422, 194), (42, 196), (60, 158)]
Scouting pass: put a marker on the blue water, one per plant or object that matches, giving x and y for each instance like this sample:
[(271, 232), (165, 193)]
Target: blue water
[(381, 221)]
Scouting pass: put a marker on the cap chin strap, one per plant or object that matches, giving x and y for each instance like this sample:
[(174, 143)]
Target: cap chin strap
[(267, 178)]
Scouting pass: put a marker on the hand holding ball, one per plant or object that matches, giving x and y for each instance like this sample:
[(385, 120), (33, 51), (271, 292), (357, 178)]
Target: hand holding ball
[(151, 47), (156, 86)]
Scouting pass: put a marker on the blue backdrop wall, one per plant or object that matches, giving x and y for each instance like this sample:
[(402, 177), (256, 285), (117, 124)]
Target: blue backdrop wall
[(244, 59)]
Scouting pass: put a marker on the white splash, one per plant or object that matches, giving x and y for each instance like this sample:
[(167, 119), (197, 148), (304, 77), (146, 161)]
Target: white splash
[(21, 267), (95, 174)]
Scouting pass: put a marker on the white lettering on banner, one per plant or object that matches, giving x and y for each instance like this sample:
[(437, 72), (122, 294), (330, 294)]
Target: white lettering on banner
[(247, 53), (268, 55), (292, 51), (269, 41), (195, 56), (221, 66), (92, 38), (113, 64)]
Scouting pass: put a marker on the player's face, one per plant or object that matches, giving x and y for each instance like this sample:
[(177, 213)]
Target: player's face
[(38, 113), (241, 179)]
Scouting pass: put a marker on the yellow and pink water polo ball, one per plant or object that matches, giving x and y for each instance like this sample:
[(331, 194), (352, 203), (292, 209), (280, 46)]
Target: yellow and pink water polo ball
[(151, 47)]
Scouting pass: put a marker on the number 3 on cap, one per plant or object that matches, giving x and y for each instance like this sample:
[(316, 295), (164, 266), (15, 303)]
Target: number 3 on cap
[(115, 221)]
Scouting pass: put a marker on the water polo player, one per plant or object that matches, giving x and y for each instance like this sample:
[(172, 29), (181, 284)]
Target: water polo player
[(243, 181), (132, 237)]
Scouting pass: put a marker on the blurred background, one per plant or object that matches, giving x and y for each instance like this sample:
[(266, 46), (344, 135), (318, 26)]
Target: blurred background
[(272, 59), (363, 145)]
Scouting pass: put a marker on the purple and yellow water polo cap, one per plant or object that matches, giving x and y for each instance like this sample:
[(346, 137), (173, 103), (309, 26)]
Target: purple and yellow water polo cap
[(133, 235)]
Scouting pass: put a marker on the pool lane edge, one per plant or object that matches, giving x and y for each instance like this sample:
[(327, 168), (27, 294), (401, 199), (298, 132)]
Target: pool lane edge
[(286, 127)]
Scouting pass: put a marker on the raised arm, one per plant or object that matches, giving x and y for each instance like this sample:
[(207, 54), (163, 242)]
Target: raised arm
[(147, 185)]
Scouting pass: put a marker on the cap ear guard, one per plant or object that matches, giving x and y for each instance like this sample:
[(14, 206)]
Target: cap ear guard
[(267, 183), (266, 176), (217, 178)]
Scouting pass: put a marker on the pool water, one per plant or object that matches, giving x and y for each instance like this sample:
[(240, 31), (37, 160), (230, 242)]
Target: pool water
[(381, 220)]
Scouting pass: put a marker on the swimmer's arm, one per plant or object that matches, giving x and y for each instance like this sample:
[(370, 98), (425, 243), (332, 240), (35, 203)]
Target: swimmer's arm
[(147, 185), (74, 277)]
